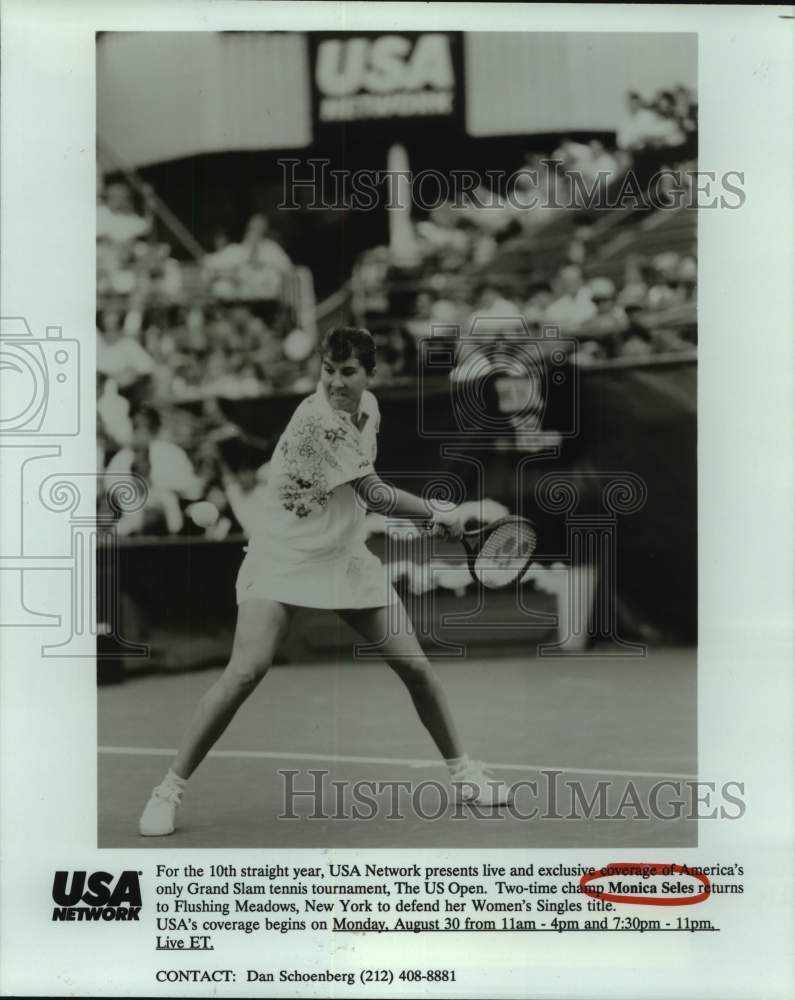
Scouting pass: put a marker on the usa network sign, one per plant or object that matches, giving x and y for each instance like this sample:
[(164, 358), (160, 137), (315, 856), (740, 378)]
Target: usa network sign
[(371, 76), (96, 896)]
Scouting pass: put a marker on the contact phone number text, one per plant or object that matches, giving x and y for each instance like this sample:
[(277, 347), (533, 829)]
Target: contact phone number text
[(407, 976)]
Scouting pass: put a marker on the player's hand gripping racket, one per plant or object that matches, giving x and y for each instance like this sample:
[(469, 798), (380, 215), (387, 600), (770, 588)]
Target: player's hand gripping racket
[(500, 553)]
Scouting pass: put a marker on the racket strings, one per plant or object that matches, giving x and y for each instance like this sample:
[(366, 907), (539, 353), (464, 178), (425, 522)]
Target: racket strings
[(505, 554)]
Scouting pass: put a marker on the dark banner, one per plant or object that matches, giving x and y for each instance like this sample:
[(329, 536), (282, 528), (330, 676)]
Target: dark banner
[(643, 419), (386, 76)]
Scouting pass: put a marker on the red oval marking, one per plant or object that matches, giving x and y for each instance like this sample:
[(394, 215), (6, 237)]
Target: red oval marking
[(637, 869)]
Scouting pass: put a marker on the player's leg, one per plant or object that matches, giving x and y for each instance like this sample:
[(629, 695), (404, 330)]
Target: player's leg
[(261, 625), (390, 629)]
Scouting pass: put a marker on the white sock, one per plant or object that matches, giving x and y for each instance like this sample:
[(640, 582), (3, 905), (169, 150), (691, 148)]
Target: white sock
[(455, 763), (172, 778)]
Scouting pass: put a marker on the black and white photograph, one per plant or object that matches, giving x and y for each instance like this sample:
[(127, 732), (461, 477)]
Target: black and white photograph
[(401, 370)]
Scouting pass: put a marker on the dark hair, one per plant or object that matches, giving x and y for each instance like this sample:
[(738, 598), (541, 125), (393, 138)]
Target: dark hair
[(344, 342)]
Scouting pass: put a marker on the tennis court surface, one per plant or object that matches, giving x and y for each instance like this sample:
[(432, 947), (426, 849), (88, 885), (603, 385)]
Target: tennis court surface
[(624, 722)]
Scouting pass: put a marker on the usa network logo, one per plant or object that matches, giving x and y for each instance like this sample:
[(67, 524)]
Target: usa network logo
[(98, 896)]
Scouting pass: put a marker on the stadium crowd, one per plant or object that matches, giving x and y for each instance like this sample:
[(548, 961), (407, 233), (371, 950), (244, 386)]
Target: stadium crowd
[(450, 271), (651, 312), (175, 339)]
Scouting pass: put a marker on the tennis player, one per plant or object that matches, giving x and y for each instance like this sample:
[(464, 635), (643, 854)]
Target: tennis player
[(308, 550)]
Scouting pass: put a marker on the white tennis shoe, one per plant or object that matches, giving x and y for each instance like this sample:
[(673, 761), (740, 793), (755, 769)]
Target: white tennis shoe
[(474, 784), (159, 816)]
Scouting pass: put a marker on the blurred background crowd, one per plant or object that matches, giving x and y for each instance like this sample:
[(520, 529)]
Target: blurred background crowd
[(181, 329)]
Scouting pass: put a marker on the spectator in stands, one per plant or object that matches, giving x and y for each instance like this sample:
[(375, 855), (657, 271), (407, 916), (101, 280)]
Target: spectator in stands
[(452, 305), (686, 111), (600, 164), (117, 220), (421, 323), (370, 298), (687, 273), (635, 284), (119, 228), (576, 252), (494, 313), (639, 127), (609, 317), (220, 329), (120, 276), (484, 249), (527, 184), (538, 301), (573, 306), (113, 414), (601, 337), (165, 273), (221, 267), (268, 356), (637, 343), (490, 212), (207, 461), (432, 312), (603, 296), (253, 269), (538, 193), (667, 131), (230, 376), (187, 380), (266, 263), (107, 261), (122, 358), (441, 234), (662, 292), (604, 332), (167, 471), (572, 155), (494, 318), (685, 106)]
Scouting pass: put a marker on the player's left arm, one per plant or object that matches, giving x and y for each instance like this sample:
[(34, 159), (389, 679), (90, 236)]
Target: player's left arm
[(380, 497)]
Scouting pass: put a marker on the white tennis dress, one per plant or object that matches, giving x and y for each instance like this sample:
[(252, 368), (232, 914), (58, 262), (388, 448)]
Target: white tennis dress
[(308, 544)]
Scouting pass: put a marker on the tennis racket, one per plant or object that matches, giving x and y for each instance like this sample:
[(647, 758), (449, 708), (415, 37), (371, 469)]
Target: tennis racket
[(500, 553)]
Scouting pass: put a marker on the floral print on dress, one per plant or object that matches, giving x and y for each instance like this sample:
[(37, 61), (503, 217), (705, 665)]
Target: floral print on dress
[(319, 452), (334, 434)]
